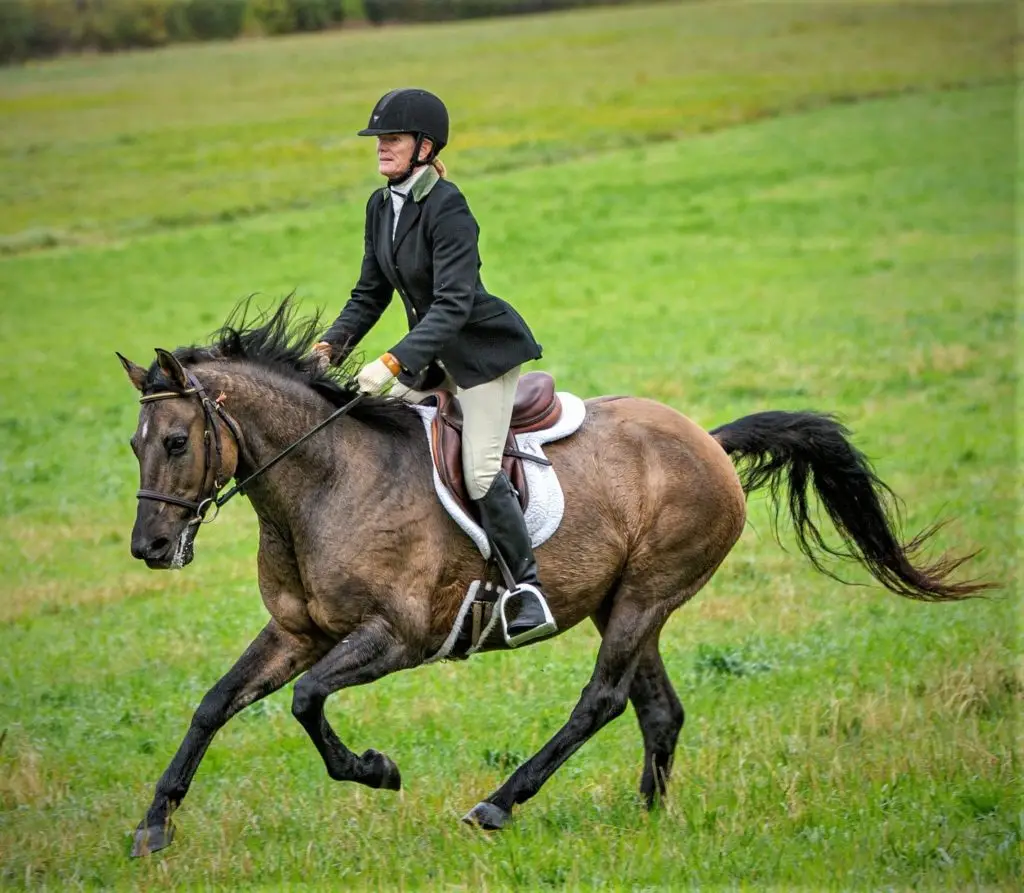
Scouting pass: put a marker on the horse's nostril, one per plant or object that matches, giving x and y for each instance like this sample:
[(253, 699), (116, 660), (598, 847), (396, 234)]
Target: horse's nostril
[(149, 550)]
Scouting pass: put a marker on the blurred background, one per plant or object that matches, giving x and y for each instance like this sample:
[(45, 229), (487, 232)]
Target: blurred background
[(725, 206)]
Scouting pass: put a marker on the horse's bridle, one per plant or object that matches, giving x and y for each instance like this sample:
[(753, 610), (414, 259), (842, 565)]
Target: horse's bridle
[(212, 448), (212, 409)]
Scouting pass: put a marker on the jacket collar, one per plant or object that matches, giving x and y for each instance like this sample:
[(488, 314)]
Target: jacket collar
[(421, 186)]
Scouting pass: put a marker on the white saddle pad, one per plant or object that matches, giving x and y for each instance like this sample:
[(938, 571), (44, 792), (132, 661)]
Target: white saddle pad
[(547, 502)]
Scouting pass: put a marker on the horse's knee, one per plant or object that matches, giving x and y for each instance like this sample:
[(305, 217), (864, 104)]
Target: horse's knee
[(209, 715), (605, 702), (307, 698)]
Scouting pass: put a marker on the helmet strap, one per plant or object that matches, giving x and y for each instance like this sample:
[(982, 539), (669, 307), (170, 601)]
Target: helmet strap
[(414, 162)]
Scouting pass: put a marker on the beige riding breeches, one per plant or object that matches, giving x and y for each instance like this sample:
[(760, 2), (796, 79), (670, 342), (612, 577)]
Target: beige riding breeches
[(486, 414)]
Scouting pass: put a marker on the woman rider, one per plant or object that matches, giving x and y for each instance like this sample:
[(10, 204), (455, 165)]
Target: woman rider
[(421, 240)]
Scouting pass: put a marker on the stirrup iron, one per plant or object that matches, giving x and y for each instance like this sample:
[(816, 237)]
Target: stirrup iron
[(546, 628)]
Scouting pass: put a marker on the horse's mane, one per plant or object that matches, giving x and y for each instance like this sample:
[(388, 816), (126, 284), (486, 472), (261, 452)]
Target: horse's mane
[(280, 341)]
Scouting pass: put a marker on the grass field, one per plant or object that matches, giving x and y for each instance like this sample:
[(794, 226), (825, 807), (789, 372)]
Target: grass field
[(686, 203)]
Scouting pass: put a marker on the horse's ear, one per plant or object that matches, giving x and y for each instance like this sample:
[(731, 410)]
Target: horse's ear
[(135, 372), (170, 367)]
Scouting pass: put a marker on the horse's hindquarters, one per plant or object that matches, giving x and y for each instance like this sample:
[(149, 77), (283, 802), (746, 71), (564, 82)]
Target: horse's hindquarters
[(648, 495)]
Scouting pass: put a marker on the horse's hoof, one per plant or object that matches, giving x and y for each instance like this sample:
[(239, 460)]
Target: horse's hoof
[(149, 840), (385, 773), (487, 816)]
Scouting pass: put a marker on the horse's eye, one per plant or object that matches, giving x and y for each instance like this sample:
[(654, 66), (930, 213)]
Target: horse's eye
[(175, 444)]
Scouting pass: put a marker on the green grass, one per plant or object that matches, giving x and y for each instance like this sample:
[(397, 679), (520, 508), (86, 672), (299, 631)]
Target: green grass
[(852, 257), (110, 146)]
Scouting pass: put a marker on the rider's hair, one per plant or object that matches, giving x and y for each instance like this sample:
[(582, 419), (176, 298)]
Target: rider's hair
[(438, 164)]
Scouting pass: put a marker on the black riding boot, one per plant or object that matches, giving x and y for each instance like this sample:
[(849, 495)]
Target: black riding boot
[(502, 519)]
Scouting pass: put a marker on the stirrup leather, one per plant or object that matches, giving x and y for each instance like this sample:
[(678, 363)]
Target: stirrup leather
[(546, 628)]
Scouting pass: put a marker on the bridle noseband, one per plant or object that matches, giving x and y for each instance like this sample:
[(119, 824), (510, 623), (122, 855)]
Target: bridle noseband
[(211, 437)]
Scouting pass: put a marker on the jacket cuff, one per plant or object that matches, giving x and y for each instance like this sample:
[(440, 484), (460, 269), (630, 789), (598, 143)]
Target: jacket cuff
[(408, 362)]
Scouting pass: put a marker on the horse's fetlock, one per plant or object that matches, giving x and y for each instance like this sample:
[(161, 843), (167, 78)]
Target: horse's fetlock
[(163, 807), (337, 773)]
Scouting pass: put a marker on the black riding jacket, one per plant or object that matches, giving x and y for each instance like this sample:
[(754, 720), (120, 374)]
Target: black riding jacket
[(434, 264)]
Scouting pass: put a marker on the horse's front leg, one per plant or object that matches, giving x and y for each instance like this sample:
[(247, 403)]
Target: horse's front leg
[(366, 654), (274, 658)]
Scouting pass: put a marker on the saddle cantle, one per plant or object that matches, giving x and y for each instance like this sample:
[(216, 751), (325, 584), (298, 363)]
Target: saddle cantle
[(536, 408)]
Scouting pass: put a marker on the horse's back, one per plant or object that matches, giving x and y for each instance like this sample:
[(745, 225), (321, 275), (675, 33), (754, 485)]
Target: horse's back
[(663, 438)]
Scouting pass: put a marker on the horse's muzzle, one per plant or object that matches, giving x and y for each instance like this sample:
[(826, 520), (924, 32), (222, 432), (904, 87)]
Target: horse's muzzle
[(162, 552), (156, 552)]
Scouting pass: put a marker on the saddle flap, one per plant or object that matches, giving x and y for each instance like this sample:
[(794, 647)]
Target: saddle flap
[(446, 449), (446, 444)]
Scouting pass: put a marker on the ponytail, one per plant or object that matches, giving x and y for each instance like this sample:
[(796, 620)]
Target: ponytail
[(438, 164)]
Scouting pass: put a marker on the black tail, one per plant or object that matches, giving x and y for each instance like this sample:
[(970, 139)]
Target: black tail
[(797, 448)]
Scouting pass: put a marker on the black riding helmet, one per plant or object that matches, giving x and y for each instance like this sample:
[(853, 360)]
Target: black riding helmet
[(415, 111)]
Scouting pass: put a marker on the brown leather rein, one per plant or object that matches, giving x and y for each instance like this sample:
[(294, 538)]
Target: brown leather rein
[(214, 454)]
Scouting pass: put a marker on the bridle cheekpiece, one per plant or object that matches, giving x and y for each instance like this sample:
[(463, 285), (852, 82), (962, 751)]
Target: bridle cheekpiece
[(208, 497)]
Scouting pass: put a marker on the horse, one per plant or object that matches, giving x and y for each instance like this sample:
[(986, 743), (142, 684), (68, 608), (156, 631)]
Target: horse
[(362, 571)]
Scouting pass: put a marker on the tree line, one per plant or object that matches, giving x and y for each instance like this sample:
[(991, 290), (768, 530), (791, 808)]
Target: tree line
[(39, 28)]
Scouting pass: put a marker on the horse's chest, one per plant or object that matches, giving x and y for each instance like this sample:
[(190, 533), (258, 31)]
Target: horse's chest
[(328, 617), (303, 615), (291, 612)]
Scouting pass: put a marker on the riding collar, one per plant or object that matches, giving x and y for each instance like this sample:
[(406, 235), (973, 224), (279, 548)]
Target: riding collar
[(420, 188)]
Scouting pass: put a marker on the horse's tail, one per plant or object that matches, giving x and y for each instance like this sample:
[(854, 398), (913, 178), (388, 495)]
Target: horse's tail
[(789, 450)]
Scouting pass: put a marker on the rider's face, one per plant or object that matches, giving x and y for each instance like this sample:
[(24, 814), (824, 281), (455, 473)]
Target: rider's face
[(394, 152)]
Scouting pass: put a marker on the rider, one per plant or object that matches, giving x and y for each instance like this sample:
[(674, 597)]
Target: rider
[(421, 240)]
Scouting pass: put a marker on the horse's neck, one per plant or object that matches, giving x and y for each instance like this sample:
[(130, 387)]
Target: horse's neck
[(272, 413)]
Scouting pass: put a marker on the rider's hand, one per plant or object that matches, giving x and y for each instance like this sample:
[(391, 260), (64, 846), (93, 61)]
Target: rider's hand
[(376, 377), (322, 351)]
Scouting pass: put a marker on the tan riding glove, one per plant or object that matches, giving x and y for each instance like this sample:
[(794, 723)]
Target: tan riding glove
[(377, 377)]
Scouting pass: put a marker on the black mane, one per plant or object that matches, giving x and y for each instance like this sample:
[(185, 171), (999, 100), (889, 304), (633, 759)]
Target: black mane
[(280, 341)]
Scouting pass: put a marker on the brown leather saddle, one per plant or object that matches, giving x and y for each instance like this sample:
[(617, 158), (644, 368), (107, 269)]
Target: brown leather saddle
[(536, 408)]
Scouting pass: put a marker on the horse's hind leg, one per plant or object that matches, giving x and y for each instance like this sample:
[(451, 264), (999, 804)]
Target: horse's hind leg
[(659, 713), (603, 699), (661, 719)]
